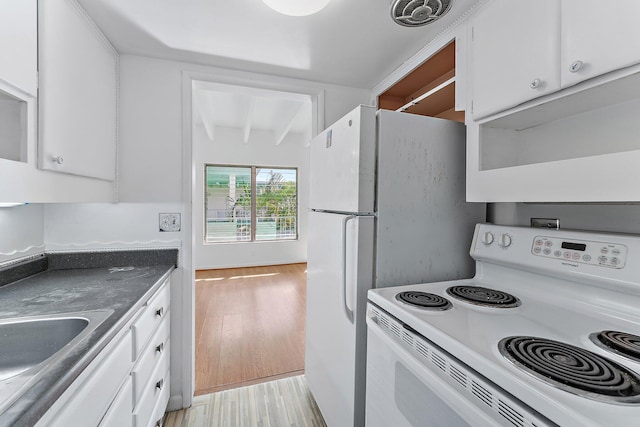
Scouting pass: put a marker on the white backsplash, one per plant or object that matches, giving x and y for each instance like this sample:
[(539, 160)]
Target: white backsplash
[(21, 232), (102, 226)]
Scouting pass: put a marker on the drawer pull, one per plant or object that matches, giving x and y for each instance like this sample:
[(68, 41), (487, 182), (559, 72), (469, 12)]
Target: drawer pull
[(160, 384), (160, 348), (160, 312)]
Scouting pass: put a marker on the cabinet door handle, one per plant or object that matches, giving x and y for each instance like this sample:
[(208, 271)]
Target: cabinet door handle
[(160, 384), (160, 312), (576, 66), (535, 83), (58, 159), (160, 348)]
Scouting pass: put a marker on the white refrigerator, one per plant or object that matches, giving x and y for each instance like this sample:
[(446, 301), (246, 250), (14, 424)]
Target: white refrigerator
[(387, 208)]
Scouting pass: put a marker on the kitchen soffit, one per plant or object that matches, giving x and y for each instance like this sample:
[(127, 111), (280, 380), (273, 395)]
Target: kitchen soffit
[(351, 42)]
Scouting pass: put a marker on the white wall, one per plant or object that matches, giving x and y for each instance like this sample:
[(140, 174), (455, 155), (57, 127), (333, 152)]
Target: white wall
[(21, 232), (151, 120), (229, 149)]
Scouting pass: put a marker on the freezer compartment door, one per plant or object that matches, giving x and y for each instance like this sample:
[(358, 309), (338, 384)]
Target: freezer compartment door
[(425, 224), (342, 164), (339, 273)]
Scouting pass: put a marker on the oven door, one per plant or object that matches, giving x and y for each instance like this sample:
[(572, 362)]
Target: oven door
[(411, 382)]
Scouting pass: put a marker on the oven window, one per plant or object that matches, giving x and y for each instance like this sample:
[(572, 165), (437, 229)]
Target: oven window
[(421, 406)]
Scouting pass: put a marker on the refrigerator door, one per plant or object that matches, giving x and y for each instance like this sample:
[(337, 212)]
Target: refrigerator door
[(340, 271), (342, 164), (424, 222)]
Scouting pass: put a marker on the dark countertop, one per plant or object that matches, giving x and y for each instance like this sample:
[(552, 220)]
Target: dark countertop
[(63, 288)]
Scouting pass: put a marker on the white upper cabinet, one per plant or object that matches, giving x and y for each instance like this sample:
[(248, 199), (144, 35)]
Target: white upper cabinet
[(515, 54), (522, 51), (597, 39), (19, 44), (78, 93)]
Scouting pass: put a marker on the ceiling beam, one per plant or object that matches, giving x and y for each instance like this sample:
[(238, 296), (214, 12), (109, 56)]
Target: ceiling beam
[(206, 113), (249, 116), (282, 132), (251, 91)]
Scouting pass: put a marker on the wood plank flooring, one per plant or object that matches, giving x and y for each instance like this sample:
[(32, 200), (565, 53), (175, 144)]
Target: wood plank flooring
[(250, 325), (281, 403)]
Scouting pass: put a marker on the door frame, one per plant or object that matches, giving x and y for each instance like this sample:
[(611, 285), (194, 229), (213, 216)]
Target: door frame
[(236, 78)]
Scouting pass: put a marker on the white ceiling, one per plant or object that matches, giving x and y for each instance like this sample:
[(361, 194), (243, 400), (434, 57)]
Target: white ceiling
[(250, 109), (351, 42)]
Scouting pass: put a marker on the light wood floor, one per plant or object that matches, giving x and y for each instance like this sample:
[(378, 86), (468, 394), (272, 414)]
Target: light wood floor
[(281, 403), (250, 325)]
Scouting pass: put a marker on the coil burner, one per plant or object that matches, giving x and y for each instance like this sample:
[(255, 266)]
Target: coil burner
[(573, 369), (424, 300), (621, 343), (484, 296)]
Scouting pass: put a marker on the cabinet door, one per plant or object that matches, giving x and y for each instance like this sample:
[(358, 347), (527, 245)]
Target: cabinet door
[(19, 44), (92, 399), (596, 40), (515, 54), (78, 89), (120, 413)]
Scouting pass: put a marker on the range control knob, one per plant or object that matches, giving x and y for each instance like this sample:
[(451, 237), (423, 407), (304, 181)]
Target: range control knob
[(505, 241), (487, 238)]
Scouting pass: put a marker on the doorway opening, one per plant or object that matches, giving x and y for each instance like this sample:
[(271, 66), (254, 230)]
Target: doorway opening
[(249, 294)]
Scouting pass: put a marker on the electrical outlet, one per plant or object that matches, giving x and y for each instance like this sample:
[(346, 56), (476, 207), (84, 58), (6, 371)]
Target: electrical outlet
[(169, 222)]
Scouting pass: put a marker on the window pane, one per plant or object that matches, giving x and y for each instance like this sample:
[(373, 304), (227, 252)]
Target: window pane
[(227, 204), (276, 204)]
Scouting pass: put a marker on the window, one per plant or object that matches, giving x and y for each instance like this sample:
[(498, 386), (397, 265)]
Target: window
[(250, 203)]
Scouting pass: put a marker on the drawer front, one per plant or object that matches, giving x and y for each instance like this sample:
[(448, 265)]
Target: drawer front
[(150, 318), (120, 411), (150, 357), (153, 392), (92, 399), (161, 405)]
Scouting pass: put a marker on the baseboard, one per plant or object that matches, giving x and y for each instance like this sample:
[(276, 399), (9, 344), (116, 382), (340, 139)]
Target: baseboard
[(175, 403)]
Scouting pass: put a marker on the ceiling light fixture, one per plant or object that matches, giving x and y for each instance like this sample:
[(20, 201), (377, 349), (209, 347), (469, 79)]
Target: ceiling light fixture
[(297, 7)]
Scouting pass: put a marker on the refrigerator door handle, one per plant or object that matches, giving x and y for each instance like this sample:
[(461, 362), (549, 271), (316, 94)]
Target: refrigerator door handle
[(347, 311)]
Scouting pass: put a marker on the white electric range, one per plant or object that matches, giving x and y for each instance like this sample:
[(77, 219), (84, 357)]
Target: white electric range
[(547, 333)]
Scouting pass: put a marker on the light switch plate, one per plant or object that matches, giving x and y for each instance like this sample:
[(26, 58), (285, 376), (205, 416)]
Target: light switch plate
[(170, 222)]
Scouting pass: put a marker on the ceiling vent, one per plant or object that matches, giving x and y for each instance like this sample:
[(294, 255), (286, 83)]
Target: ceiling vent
[(414, 13)]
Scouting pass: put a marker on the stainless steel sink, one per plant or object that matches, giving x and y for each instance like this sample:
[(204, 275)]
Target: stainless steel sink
[(31, 346)]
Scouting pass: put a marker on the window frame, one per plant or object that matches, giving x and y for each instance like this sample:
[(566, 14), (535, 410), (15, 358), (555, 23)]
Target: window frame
[(254, 185)]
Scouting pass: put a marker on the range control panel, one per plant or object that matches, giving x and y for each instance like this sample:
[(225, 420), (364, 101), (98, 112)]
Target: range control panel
[(603, 254)]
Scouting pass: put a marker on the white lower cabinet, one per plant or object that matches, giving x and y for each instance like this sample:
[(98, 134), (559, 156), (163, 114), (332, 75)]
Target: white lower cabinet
[(154, 395), (92, 398), (119, 413), (127, 384)]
